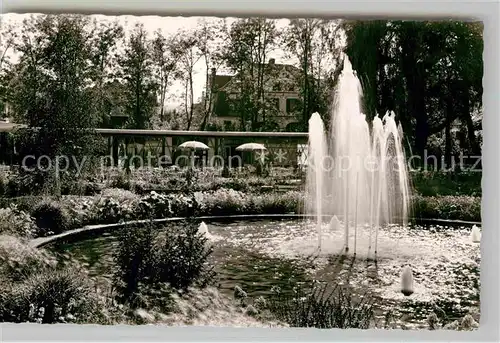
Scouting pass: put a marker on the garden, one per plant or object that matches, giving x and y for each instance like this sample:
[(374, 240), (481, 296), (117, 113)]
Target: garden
[(141, 257), (87, 242)]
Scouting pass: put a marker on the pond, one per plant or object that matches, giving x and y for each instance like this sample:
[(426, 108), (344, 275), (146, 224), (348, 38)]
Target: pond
[(260, 254)]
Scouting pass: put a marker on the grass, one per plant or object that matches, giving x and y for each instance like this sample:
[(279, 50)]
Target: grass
[(322, 308)]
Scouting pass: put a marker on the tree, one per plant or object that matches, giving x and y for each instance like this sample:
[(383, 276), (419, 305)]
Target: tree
[(140, 87), (313, 43), (186, 46), (165, 58), (7, 44), (210, 42), (52, 93), (429, 73), (105, 37), (249, 43)]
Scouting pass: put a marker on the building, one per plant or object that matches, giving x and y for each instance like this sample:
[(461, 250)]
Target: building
[(281, 92)]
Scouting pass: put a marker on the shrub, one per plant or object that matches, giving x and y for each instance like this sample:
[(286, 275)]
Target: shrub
[(16, 222), (18, 259), (49, 296), (50, 217), (430, 183), (33, 290), (121, 181), (3, 185), (22, 184), (447, 207), (154, 259), (108, 210), (183, 256), (134, 260), (316, 308)]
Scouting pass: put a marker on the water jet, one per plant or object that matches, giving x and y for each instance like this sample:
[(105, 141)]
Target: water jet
[(373, 188)]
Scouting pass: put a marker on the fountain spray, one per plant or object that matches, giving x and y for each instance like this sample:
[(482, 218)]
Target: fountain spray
[(315, 172), (384, 191)]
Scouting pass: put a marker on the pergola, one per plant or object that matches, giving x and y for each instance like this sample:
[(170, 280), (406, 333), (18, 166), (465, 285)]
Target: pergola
[(286, 149)]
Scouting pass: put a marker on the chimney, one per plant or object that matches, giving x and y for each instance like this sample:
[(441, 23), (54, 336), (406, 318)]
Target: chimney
[(271, 61)]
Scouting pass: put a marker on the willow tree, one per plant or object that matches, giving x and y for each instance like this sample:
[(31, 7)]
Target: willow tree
[(429, 73)]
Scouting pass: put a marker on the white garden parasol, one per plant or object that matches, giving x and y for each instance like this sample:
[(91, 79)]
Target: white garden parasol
[(251, 147), (254, 147), (194, 145)]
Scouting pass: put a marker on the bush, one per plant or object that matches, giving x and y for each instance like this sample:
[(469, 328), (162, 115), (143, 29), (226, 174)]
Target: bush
[(134, 260), (155, 258), (182, 258), (430, 183), (107, 210), (447, 207), (50, 217), (316, 308), (18, 259), (3, 185), (16, 222), (49, 296), (121, 181)]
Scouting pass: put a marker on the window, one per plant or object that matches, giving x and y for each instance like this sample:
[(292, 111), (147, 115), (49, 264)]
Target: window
[(292, 105)]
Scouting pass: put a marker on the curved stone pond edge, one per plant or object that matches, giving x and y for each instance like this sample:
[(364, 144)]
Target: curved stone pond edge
[(91, 230)]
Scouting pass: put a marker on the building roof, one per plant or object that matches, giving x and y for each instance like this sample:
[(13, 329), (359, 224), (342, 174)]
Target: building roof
[(221, 81)]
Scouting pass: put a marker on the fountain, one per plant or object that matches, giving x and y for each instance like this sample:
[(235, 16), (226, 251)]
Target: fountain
[(316, 171), (203, 230), (367, 184), (475, 234), (407, 281)]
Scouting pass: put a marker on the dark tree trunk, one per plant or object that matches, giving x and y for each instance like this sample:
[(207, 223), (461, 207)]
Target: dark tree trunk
[(416, 88)]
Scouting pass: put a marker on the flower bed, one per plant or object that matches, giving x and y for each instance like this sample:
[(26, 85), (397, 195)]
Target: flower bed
[(116, 205)]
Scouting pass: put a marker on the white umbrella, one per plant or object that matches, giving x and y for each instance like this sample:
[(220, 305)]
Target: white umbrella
[(251, 147), (194, 145)]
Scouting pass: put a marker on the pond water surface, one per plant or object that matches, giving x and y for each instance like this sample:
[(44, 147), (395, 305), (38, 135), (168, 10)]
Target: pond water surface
[(258, 255)]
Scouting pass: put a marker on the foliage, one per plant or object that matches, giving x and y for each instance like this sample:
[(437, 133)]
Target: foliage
[(437, 183), (48, 297), (50, 217), (183, 256), (134, 260), (137, 71), (51, 95), (34, 289), (312, 42), (18, 259), (428, 72), (16, 222), (447, 207), (323, 308), (249, 42), (154, 258)]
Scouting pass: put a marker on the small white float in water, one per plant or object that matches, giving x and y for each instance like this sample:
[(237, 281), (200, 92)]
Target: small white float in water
[(475, 234), (407, 281), (203, 229), (334, 223)]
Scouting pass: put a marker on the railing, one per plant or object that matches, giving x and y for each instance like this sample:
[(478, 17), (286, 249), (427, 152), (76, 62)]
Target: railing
[(160, 147)]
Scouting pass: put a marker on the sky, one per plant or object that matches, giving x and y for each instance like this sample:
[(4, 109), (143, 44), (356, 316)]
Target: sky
[(169, 25)]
